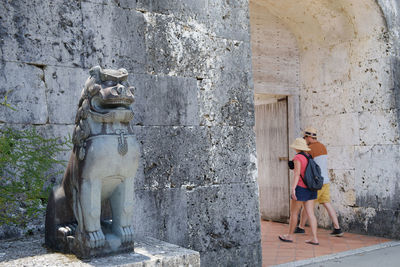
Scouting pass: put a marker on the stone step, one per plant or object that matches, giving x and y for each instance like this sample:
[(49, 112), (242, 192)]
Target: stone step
[(148, 252)]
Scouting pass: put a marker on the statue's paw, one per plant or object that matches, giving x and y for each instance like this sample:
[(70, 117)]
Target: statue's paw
[(96, 239), (125, 233)]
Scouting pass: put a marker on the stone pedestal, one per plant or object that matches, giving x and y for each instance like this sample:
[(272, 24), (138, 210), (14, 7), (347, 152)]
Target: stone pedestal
[(149, 252)]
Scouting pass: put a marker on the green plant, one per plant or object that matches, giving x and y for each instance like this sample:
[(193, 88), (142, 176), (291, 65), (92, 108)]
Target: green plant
[(27, 162), (4, 103)]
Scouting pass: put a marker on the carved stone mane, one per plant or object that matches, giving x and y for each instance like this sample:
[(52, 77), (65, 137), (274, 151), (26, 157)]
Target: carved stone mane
[(91, 105), (100, 172)]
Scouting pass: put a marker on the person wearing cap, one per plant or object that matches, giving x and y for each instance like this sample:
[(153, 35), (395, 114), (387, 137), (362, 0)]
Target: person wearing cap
[(320, 156), (300, 194)]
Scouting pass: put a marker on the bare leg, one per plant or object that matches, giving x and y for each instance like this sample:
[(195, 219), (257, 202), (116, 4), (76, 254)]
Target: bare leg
[(295, 207), (309, 207), (303, 218), (332, 214)]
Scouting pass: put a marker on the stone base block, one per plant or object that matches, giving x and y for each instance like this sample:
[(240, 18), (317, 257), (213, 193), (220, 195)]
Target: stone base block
[(149, 252)]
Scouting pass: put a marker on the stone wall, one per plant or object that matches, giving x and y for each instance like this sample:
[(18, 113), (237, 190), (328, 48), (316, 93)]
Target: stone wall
[(190, 62), (378, 180)]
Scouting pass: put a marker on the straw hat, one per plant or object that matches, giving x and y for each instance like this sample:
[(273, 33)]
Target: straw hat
[(300, 144), (310, 131)]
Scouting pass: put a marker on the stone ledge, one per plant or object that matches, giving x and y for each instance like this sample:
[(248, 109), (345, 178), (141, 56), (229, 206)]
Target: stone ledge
[(149, 252)]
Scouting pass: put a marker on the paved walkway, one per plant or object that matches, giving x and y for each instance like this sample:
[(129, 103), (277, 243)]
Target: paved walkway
[(277, 252), (388, 256)]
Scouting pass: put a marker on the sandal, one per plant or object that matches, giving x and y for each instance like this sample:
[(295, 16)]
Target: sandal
[(284, 239), (312, 243)]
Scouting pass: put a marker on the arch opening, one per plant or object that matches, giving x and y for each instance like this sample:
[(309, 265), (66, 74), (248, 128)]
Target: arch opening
[(332, 60)]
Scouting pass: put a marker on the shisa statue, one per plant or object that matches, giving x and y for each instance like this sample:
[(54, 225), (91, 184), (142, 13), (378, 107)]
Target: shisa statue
[(91, 212)]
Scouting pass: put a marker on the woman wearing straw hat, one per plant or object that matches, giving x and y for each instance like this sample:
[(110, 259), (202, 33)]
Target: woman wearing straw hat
[(300, 194)]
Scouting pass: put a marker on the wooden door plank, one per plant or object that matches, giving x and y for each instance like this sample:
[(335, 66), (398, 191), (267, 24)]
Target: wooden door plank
[(272, 144)]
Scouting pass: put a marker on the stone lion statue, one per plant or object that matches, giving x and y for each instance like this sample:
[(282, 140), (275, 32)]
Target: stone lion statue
[(100, 173)]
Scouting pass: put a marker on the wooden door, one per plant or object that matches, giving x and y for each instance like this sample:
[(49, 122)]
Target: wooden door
[(272, 152)]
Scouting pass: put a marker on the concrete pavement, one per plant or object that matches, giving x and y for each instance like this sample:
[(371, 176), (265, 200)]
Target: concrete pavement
[(383, 255)]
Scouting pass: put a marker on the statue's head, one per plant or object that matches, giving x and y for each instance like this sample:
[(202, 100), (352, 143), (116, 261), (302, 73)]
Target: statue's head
[(106, 98), (107, 90)]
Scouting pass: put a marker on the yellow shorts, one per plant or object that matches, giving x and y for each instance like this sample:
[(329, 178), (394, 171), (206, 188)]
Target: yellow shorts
[(324, 195)]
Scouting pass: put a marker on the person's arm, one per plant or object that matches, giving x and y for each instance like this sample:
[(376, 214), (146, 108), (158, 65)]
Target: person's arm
[(296, 177)]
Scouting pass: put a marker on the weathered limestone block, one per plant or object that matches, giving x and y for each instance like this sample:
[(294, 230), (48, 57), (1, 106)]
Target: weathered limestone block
[(163, 100), (329, 58), (375, 178), (229, 103), (120, 3), (329, 100), (223, 19), (233, 155), (374, 46), (374, 96), (221, 218), (45, 32), (62, 92), (162, 214), (200, 156), (396, 82), (217, 65), (212, 219), (343, 127), (373, 70), (360, 218), (376, 85), (184, 10), (382, 222), (389, 9), (102, 41), (373, 28), (230, 19), (179, 49), (321, 65), (381, 127), (372, 221), (237, 104), (188, 48), (341, 157), (100, 174), (26, 93), (342, 187), (247, 255), (275, 63), (174, 157)]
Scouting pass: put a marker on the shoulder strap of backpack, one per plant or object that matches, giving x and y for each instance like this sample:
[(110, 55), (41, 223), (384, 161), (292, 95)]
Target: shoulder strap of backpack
[(308, 159), (305, 155)]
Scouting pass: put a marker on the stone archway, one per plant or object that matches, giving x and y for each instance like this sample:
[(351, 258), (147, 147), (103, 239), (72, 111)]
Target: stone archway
[(345, 89)]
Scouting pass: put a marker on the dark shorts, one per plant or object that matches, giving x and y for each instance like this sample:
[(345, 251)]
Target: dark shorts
[(305, 194)]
